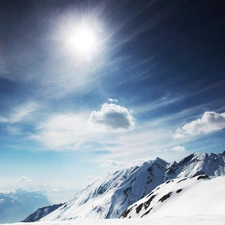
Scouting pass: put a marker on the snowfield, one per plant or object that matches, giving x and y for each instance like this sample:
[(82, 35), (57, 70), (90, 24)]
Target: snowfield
[(174, 220), (185, 196)]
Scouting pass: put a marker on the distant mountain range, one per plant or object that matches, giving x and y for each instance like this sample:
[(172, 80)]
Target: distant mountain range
[(111, 196), (14, 206)]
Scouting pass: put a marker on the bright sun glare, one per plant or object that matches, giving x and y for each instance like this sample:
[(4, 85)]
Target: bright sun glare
[(82, 40)]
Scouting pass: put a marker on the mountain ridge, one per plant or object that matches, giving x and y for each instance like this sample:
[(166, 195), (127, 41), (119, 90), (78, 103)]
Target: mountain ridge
[(110, 196)]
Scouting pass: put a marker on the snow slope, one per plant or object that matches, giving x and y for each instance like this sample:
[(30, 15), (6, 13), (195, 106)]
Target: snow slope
[(186, 196), (184, 220), (110, 196)]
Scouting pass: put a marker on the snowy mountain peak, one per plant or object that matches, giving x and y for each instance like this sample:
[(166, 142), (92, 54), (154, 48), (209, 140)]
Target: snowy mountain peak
[(198, 163), (111, 195)]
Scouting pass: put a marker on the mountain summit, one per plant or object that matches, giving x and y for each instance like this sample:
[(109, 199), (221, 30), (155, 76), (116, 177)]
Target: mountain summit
[(110, 196)]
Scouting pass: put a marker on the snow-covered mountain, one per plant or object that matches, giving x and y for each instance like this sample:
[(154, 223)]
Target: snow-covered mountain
[(110, 196), (198, 163), (14, 206), (183, 196), (41, 212)]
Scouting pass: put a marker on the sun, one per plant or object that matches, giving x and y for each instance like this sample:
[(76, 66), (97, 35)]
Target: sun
[(82, 40)]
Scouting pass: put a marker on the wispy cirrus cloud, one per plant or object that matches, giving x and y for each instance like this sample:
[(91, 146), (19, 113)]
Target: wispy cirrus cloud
[(20, 113), (18, 117), (208, 123), (113, 164), (62, 130)]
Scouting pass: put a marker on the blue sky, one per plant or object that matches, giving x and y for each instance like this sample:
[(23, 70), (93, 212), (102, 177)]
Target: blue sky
[(146, 81)]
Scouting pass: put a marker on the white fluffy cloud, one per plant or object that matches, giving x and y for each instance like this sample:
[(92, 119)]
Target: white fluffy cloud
[(178, 148), (210, 122), (113, 117), (71, 131), (112, 100)]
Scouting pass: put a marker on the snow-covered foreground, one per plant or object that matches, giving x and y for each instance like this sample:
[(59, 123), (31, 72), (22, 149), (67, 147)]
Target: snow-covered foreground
[(185, 196), (175, 220)]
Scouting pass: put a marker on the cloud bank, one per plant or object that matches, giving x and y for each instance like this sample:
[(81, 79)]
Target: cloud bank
[(210, 122), (71, 131), (62, 130)]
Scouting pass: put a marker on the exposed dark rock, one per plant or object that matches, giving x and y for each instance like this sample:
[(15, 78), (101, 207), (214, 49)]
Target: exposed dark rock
[(150, 194), (169, 181), (147, 203), (172, 168), (150, 170), (198, 173), (146, 213), (126, 212), (165, 197), (181, 180), (179, 190), (203, 177), (138, 209)]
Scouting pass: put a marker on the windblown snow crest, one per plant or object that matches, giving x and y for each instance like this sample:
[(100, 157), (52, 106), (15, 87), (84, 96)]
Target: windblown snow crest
[(110, 196)]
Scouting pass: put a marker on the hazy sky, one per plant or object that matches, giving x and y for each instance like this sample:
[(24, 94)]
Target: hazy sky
[(92, 86)]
